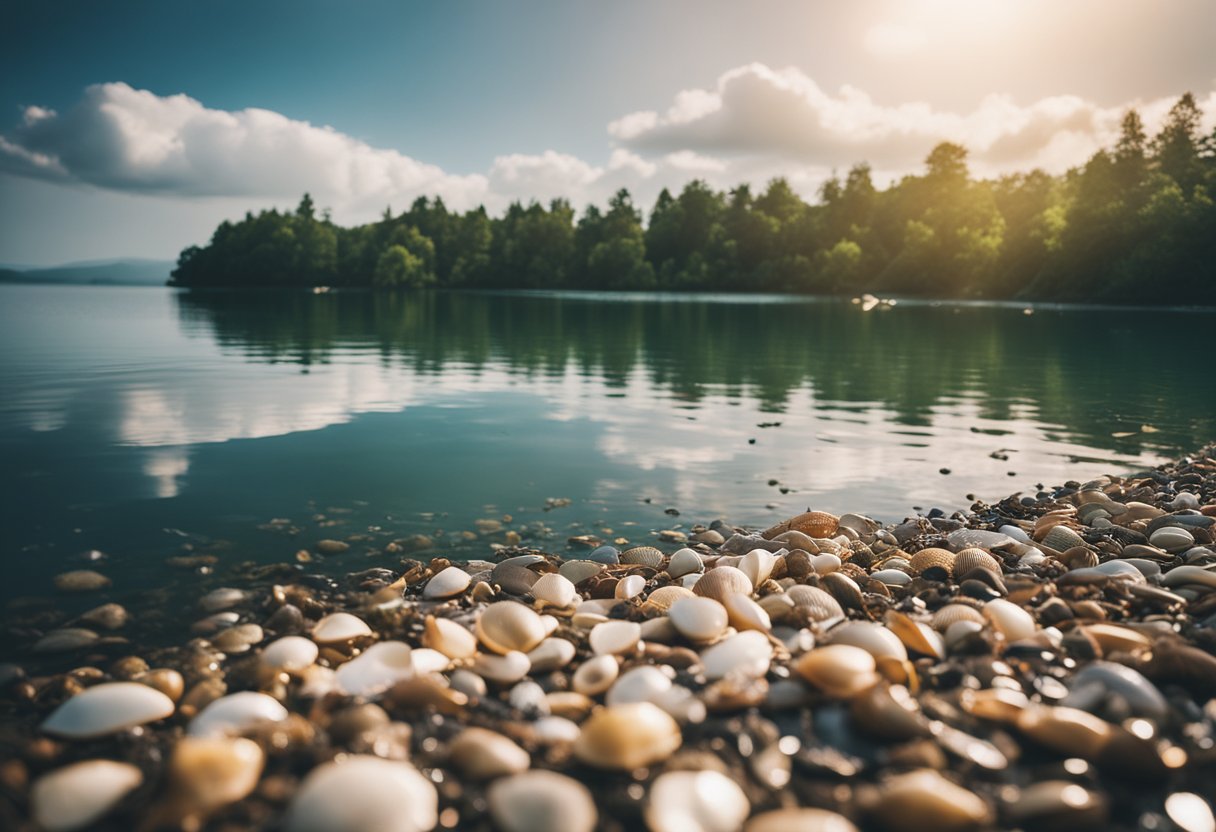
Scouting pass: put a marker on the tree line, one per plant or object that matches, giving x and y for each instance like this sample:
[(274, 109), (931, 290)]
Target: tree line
[(1135, 223)]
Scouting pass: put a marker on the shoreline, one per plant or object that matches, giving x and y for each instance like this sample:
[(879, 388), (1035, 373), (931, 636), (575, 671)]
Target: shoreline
[(1037, 661)]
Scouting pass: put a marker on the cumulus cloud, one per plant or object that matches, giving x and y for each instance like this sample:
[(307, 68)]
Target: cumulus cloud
[(761, 113)]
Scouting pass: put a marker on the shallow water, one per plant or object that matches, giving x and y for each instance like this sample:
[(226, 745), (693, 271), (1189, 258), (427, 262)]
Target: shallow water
[(148, 422)]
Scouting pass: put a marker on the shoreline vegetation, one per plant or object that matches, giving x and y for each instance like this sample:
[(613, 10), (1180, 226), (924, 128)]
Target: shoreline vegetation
[(1039, 662), (1134, 225)]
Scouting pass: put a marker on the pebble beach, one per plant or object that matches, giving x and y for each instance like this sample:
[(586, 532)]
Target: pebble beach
[(1041, 662)]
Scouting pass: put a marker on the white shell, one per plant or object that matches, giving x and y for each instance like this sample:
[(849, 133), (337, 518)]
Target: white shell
[(698, 618), (504, 669), (508, 625), (222, 599), (892, 577), (481, 754), (289, 653), (746, 614), (541, 801), (339, 626), (448, 583), (449, 638), (596, 675), (380, 667), (870, 636), (825, 563), (1009, 619), (107, 708), (364, 794), (555, 589), (235, 713), (684, 562), (748, 653), (75, 796), (550, 730), (640, 684), (629, 587), (696, 801), (551, 654), (615, 637)]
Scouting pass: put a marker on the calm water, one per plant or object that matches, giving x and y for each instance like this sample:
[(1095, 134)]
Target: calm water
[(145, 422)]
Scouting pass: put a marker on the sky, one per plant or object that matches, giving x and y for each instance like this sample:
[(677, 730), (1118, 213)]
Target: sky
[(132, 128)]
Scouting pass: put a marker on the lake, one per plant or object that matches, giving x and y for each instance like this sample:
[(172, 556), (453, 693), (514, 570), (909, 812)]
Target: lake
[(149, 423)]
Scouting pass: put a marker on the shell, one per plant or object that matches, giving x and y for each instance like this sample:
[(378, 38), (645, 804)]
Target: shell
[(918, 637), (1010, 620), (663, 598), (448, 583), (556, 589), (167, 681), (1190, 811), (1079, 557), (951, 613), (892, 577), (289, 653), (745, 654), (449, 638), (541, 801), (596, 675), (931, 558), (819, 604), (799, 820), (1059, 805), (615, 637), (1066, 730), (721, 581), (1184, 575), (107, 708), (997, 704), (551, 654), (628, 587), (826, 563), (817, 524), (625, 737), (1115, 639), (925, 800), (839, 670), (973, 558), (745, 614), (1172, 539), (339, 627), (505, 669), (75, 796), (513, 575), (1061, 538), (238, 639), (645, 683), (236, 713), (695, 801), (207, 773), (505, 626), (65, 639), (480, 754), (643, 555), (684, 562), (874, 638), (757, 565), (377, 669), (699, 619), (363, 793), (577, 571), (844, 589)]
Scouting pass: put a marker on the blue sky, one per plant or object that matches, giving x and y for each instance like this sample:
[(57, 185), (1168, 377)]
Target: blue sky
[(206, 109)]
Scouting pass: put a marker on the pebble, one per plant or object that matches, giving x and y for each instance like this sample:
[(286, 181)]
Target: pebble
[(541, 801)]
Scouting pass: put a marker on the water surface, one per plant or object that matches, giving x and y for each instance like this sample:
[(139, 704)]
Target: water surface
[(148, 422)]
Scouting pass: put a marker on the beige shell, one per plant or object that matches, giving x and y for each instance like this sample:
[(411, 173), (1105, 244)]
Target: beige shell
[(684, 562), (643, 555), (596, 675), (757, 565), (920, 638), (745, 614), (1010, 620), (1059, 804), (664, 597), (629, 736), (630, 586), (481, 754), (551, 654), (951, 613), (556, 589), (207, 773), (973, 558), (449, 638), (930, 558), (925, 799), (699, 619), (1066, 730), (872, 637), (448, 583), (504, 669), (614, 637), (1061, 538), (819, 603), (997, 704), (541, 801), (817, 524), (1115, 639), (799, 820), (508, 625), (721, 581), (577, 571), (839, 670), (779, 606)]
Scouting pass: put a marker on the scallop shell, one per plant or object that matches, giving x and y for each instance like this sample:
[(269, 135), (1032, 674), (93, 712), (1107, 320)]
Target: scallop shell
[(448, 583), (819, 604), (505, 626), (721, 581), (817, 524), (839, 670), (75, 796), (684, 562), (1079, 557), (107, 708), (664, 597), (644, 555), (874, 638), (1061, 538), (626, 737), (931, 558), (556, 589), (449, 638), (362, 793), (973, 558), (596, 675), (952, 613), (541, 801)]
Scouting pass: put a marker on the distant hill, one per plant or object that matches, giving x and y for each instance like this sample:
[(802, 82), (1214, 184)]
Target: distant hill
[(129, 272)]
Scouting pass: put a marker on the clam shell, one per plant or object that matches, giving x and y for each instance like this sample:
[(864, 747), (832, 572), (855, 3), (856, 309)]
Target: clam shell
[(361, 794), (1115, 639), (505, 669), (449, 583), (1010, 620), (643, 555), (892, 577), (997, 704), (684, 562), (695, 801), (799, 820), (615, 637), (925, 800), (513, 576), (844, 589), (167, 681), (699, 619), (721, 581), (826, 563), (625, 737), (757, 565), (449, 638), (236, 713), (874, 638), (541, 801), (596, 675), (338, 627), (932, 558), (951, 613), (664, 597), (918, 637), (289, 653), (817, 602), (745, 654), (1065, 730), (556, 589), (551, 654), (480, 754), (972, 558), (507, 626), (839, 670), (207, 773), (377, 669), (645, 683), (1059, 805), (107, 708), (76, 796), (745, 614), (1061, 538), (628, 587), (577, 571)]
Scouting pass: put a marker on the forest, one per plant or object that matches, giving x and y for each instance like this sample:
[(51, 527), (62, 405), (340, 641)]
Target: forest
[(1135, 224)]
